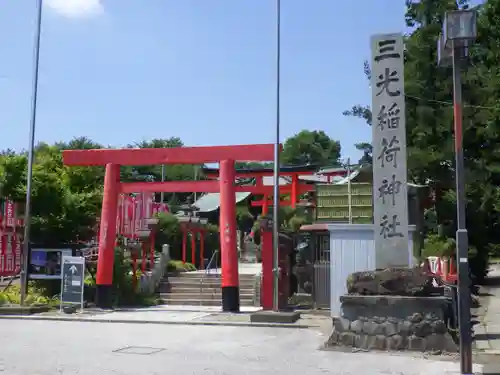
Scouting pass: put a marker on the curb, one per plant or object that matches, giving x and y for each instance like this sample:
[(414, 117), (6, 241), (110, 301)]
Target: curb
[(157, 322)]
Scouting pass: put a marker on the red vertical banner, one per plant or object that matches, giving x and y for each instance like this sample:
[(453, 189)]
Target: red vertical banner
[(138, 212), (9, 256), (2, 252), (17, 253), (155, 209), (119, 215), (126, 216), (149, 208), (10, 219), (131, 217)]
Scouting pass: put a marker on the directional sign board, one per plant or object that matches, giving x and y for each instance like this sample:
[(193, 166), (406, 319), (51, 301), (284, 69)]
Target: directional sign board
[(72, 281)]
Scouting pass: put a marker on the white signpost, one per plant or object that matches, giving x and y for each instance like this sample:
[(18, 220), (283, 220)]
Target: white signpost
[(72, 281), (390, 207)]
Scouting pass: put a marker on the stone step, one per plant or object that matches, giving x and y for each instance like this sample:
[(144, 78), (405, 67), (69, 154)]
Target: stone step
[(205, 283), (202, 296), (196, 275), (197, 289), (201, 302)]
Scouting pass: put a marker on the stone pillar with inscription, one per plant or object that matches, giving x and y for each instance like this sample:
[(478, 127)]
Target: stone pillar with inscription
[(390, 198)]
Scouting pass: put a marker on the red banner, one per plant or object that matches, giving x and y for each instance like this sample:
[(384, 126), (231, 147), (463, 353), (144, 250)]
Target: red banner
[(131, 211), (10, 254), (10, 240), (9, 214)]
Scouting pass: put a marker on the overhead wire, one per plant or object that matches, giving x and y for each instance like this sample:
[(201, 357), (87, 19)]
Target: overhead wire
[(450, 103)]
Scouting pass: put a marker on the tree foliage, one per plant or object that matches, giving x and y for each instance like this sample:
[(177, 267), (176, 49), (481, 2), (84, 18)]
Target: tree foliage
[(66, 201), (311, 147)]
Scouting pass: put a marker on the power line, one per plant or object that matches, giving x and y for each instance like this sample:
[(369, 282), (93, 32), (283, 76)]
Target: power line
[(449, 103)]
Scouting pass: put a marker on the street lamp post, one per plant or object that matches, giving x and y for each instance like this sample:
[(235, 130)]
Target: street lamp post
[(459, 31), (31, 148)]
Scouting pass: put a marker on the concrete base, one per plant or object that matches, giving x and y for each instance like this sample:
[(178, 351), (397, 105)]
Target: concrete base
[(284, 317), (23, 310)]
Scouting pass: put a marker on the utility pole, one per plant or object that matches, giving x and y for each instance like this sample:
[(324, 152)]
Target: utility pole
[(276, 187), (31, 150)]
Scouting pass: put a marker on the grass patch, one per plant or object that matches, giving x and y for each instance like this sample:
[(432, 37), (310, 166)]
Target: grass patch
[(12, 297), (179, 266)]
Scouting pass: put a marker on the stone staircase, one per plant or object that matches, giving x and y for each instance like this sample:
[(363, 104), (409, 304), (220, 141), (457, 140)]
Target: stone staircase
[(201, 289)]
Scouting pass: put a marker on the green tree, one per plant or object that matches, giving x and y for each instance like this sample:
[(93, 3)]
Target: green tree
[(61, 213), (367, 150), (311, 147), (173, 172)]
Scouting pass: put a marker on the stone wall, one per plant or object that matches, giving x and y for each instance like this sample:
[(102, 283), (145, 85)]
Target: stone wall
[(392, 323), (149, 281)]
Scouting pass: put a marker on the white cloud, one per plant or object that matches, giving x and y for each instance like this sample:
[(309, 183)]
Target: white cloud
[(76, 8)]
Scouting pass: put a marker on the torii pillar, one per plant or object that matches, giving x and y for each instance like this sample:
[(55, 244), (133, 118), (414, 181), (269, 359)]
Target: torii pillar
[(107, 237), (227, 228)]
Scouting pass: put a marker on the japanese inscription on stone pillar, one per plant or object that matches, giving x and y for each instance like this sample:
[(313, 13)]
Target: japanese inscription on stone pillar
[(390, 207)]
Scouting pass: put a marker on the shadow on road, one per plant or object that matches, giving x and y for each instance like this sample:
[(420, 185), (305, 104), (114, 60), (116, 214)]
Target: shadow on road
[(493, 281), (485, 294), (487, 336)]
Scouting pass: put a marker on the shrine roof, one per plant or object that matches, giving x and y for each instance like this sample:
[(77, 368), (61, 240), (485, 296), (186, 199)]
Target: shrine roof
[(211, 201), (253, 171)]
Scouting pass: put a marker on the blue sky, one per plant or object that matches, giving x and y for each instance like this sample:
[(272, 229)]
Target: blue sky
[(120, 71)]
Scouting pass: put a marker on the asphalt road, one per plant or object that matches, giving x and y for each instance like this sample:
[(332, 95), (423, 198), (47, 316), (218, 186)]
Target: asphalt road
[(51, 348)]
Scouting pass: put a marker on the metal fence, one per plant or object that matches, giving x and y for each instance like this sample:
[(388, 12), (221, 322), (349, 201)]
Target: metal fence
[(321, 269)]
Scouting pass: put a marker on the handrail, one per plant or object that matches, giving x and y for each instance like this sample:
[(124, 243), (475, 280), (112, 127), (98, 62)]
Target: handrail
[(214, 256), (207, 269)]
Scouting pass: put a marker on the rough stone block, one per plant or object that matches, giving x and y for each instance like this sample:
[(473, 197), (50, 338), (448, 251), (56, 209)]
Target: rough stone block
[(397, 342), (422, 329), (390, 328), (341, 324), (416, 343), (435, 342), (369, 343), (432, 316), (400, 307), (283, 317), (360, 341), (357, 326), (393, 323), (347, 338), (370, 327), (391, 281), (416, 318), (438, 327), (380, 342), (333, 339), (405, 328)]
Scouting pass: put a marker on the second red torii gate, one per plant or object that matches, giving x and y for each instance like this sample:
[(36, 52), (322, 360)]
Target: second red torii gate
[(226, 156)]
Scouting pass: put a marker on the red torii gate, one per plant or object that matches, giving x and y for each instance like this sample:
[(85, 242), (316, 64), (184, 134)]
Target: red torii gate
[(295, 189), (226, 156)]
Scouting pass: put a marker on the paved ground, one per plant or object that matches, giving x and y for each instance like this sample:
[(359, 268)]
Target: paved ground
[(243, 269), (70, 348), (164, 314), (487, 332)]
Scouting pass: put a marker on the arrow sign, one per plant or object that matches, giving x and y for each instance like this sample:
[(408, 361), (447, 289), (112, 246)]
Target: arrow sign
[(72, 285)]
